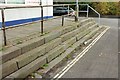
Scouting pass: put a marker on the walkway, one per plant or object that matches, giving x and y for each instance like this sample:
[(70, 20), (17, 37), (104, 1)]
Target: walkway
[(21, 33)]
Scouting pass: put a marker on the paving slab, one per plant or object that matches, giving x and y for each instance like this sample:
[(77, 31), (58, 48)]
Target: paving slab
[(25, 71), (54, 53), (10, 53), (8, 68), (29, 45), (25, 30)]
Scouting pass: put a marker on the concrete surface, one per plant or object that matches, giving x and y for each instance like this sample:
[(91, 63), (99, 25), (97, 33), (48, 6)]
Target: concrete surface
[(24, 31), (101, 61)]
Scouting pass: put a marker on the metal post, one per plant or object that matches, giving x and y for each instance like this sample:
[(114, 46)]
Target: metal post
[(99, 19), (62, 20), (87, 11), (95, 12), (77, 10), (68, 10), (3, 27), (76, 19), (42, 19)]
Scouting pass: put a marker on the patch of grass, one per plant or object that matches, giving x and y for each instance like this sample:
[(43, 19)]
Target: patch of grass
[(2, 49), (32, 75), (19, 42), (44, 33), (68, 56), (45, 65)]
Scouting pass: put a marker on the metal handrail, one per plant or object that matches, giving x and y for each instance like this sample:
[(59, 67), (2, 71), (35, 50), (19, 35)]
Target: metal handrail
[(89, 7), (2, 8), (41, 6), (95, 12)]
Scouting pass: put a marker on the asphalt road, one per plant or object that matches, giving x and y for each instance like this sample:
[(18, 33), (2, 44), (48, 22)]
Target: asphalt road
[(101, 61)]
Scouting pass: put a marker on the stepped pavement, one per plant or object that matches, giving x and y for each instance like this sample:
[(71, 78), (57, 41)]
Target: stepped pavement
[(28, 51)]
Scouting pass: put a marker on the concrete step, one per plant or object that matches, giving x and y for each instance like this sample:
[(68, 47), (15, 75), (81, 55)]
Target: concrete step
[(91, 34), (85, 32), (15, 51), (82, 22), (55, 63), (43, 49), (19, 49), (31, 67), (30, 56), (76, 31), (64, 56), (61, 58), (54, 53), (36, 64)]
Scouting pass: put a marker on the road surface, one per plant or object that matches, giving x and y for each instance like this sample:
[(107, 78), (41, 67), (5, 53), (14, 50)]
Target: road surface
[(101, 61)]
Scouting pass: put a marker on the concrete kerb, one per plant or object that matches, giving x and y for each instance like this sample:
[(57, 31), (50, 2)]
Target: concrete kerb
[(81, 35), (54, 53), (25, 48), (60, 59), (56, 62), (20, 65), (90, 35), (15, 51), (52, 44), (52, 36), (25, 71), (85, 20), (22, 48), (69, 42), (75, 46), (76, 31), (68, 35), (49, 39), (86, 26), (85, 32), (26, 58), (31, 44), (10, 53), (68, 29), (96, 34), (8, 68), (71, 50)]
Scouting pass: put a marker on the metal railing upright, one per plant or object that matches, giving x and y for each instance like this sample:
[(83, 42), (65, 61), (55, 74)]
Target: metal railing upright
[(95, 12), (87, 11), (42, 19)]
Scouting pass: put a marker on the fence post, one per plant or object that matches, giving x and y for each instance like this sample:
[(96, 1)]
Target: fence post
[(87, 11), (77, 10), (42, 19), (99, 19), (68, 10), (62, 20), (3, 27)]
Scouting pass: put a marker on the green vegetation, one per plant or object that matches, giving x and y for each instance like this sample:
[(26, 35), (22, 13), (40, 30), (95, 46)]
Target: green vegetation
[(107, 8), (104, 8), (44, 66), (2, 48)]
